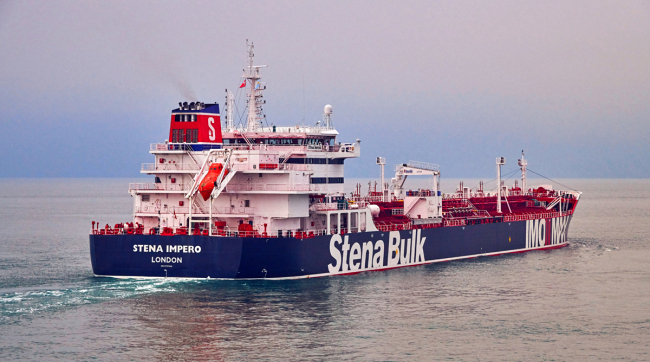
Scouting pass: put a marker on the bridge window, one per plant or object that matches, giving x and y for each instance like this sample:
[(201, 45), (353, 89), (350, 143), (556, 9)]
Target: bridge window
[(294, 160), (316, 161), (279, 141), (336, 161), (335, 180), (318, 180)]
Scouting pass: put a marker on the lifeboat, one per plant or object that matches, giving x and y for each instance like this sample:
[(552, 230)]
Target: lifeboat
[(207, 184)]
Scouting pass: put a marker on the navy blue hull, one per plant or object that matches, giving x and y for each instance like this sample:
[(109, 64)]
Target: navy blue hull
[(185, 256)]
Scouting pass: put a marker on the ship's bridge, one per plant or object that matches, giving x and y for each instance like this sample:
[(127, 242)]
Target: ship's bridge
[(280, 136)]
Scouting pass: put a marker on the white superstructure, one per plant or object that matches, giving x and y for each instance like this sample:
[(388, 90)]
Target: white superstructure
[(278, 179)]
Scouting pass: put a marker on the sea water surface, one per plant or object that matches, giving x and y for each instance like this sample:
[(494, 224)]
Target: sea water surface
[(588, 301)]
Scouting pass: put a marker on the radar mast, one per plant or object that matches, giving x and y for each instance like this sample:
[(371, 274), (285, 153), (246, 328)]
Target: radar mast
[(523, 163), (255, 102)]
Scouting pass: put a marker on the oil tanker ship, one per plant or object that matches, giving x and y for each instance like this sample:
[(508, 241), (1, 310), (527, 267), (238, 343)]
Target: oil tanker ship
[(254, 201)]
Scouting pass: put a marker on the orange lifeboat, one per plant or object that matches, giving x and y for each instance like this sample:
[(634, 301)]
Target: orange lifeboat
[(207, 184)]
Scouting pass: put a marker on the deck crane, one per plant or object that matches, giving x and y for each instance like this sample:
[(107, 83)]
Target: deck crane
[(413, 168), (423, 207)]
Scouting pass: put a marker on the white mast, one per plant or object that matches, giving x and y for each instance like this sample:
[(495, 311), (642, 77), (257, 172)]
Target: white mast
[(523, 163), (230, 106), (500, 161), (382, 162), (255, 114)]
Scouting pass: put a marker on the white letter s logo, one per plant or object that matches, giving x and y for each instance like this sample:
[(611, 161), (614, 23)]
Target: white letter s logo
[(211, 133)]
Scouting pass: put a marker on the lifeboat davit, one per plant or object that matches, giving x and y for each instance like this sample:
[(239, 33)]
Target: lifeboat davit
[(207, 184)]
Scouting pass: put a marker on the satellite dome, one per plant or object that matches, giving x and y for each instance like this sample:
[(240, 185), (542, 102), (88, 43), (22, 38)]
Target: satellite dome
[(328, 109)]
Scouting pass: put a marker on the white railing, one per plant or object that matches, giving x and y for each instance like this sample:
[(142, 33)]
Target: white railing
[(150, 167), (457, 222), (286, 167), (227, 232), (235, 187), (245, 147), (296, 148), (271, 131), (428, 221), (483, 213), (154, 209), (468, 214), (393, 227), (373, 198), (146, 209), (347, 147), (184, 210), (180, 146), (318, 187), (535, 216), (265, 147), (330, 206), (267, 187), (144, 186), (327, 206), (158, 187), (234, 210), (158, 147), (170, 147), (294, 167)]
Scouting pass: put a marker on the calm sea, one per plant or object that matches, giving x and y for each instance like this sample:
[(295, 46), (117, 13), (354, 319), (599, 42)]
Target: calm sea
[(588, 301)]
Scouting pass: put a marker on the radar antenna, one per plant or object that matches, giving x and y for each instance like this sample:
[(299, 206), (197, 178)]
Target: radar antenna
[(327, 117)]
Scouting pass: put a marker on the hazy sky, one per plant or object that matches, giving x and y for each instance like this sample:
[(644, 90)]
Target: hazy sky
[(86, 86)]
